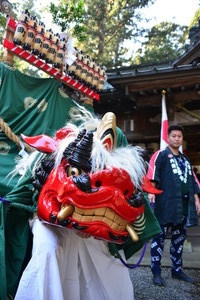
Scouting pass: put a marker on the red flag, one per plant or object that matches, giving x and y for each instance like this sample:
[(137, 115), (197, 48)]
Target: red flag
[(163, 137), (164, 123)]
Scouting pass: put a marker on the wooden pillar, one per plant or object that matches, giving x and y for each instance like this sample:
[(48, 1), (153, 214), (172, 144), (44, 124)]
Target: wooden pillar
[(8, 57), (171, 106)]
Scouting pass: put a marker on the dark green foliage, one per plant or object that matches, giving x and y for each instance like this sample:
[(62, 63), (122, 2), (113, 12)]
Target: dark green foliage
[(164, 42), (101, 26), (68, 13)]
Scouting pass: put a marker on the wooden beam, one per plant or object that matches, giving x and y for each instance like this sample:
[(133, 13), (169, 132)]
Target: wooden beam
[(8, 57), (171, 106), (155, 99), (164, 83), (159, 81), (191, 95)]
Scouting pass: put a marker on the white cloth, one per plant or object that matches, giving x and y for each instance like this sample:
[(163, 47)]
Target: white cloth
[(65, 266)]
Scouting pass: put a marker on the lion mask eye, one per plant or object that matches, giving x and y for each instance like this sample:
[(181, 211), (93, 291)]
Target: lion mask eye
[(73, 171)]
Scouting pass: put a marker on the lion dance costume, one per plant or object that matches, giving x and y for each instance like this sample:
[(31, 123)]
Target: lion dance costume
[(85, 187)]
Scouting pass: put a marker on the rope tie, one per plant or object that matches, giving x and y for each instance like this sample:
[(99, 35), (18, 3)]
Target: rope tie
[(13, 137)]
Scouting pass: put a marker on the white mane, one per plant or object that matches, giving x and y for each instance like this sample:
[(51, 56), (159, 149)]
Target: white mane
[(128, 158)]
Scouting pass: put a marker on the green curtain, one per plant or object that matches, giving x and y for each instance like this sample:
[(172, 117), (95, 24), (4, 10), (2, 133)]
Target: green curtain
[(30, 106)]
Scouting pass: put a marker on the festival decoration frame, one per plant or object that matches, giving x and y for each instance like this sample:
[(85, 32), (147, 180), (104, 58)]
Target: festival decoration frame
[(35, 61)]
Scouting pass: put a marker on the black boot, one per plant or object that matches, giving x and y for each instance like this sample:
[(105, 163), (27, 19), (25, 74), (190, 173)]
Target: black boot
[(182, 276), (158, 280)]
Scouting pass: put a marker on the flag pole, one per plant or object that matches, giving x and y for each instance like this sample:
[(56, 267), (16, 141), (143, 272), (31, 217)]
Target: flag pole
[(164, 123)]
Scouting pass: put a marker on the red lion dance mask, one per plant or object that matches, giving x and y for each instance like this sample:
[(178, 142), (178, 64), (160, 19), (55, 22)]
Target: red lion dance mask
[(103, 203)]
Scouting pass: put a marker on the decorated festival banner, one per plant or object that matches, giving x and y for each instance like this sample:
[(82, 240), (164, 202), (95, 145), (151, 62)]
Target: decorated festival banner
[(55, 55)]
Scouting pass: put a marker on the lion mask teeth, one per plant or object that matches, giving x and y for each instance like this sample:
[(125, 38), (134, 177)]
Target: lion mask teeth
[(65, 212)]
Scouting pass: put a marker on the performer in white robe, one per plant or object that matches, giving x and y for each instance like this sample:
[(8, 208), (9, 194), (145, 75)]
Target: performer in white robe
[(66, 266)]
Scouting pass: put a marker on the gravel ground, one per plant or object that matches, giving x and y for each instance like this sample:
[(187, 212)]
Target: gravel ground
[(174, 289)]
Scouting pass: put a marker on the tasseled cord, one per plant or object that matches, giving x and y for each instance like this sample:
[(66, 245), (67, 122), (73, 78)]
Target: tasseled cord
[(117, 255)]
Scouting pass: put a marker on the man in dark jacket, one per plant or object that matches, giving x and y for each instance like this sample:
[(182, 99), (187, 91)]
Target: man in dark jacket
[(178, 205)]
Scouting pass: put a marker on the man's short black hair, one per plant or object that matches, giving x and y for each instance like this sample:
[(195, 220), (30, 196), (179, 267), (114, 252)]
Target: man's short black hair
[(175, 127)]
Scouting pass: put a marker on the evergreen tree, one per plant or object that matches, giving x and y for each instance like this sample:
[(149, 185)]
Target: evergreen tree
[(164, 42), (196, 19), (104, 26)]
